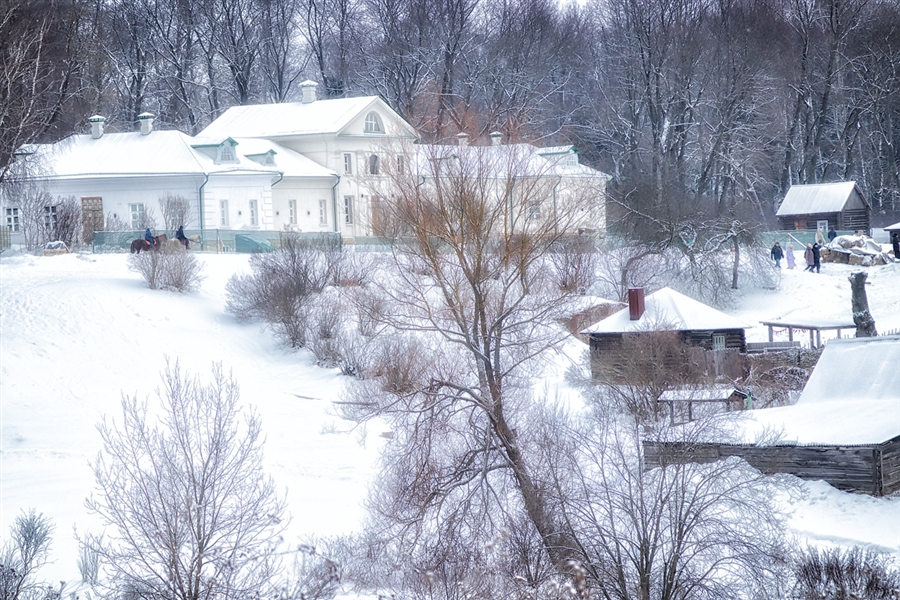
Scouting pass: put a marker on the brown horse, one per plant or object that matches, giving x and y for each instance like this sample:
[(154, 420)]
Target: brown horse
[(142, 244)]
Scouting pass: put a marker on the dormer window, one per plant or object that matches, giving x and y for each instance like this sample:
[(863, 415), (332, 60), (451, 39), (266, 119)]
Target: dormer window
[(373, 123), (226, 153)]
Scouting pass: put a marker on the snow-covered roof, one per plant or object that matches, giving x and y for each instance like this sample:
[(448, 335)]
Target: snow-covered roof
[(894, 227), (815, 199), (668, 310), (701, 395), (119, 154), (162, 153), (852, 397), (521, 159), (291, 118)]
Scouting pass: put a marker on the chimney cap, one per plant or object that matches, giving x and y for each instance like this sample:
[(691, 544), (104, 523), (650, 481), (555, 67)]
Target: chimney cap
[(308, 83), (462, 138), (146, 115), (96, 119)]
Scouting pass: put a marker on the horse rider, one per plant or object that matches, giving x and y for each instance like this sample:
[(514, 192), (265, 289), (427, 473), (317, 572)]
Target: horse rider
[(148, 237), (179, 235)]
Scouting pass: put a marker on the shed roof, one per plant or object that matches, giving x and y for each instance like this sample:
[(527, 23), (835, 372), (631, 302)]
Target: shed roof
[(852, 397), (668, 310), (816, 199)]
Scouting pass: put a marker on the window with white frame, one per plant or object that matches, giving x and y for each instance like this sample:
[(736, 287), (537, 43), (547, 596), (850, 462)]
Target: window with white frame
[(348, 163), (373, 165), (718, 342), (348, 209), (137, 215), (223, 212), (401, 165), (292, 212), (12, 220), (373, 123), (254, 213), (323, 212)]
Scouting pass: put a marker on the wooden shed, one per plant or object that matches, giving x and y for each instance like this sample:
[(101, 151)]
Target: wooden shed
[(844, 429), (839, 206)]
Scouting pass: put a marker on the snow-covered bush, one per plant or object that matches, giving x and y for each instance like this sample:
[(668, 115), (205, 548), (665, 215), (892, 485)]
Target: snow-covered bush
[(169, 268)]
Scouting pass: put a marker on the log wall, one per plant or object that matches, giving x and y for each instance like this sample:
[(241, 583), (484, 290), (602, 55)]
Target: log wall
[(871, 469)]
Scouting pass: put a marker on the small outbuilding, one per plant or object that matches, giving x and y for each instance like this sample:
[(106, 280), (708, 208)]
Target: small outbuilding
[(696, 323), (840, 206)]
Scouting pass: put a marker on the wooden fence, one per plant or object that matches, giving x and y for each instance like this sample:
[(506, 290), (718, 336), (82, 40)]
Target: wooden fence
[(872, 469)]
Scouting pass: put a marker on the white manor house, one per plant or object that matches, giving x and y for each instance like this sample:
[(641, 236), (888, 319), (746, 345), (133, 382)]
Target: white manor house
[(302, 166)]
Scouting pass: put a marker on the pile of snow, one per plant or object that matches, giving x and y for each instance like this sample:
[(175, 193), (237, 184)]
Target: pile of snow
[(856, 250)]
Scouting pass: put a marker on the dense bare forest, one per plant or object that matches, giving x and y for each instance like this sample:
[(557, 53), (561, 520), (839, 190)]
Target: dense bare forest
[(712, 104)]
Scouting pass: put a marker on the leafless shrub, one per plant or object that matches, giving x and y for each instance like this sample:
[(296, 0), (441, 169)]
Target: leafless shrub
[(314, 575), (89, 559), (169, 268), (66, 225), (776, 376), (575, 261), (23, 554), (114, 223), (845, 574), (176, 211), (281, 284)]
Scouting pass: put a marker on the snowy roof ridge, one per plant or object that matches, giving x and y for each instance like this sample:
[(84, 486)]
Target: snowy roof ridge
[(671, 309)]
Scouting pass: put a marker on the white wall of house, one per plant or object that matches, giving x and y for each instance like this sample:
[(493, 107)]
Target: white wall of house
[(234, 201), (304, 204)]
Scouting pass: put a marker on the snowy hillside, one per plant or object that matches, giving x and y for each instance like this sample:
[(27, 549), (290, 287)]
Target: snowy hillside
[(77, 331)]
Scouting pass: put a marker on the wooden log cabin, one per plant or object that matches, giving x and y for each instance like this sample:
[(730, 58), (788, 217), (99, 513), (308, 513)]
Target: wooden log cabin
[(840, 206), (695, 323)]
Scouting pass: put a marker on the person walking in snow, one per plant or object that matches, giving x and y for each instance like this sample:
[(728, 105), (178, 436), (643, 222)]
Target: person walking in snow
[(789, 255), (816, 256), (895, 244), (179, 235), (810, 259), (777, 254), (831, 234)]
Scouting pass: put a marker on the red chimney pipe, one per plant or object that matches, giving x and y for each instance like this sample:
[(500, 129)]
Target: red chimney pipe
[(635, 303)]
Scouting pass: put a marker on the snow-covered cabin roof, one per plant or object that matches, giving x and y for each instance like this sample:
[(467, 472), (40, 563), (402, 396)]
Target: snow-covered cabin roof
[(817, 198), (852, 397), (293, 118), (894, 227), (668, 310)]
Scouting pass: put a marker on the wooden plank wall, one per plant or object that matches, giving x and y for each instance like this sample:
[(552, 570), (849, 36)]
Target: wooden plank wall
[(850, 468), (889, 463)]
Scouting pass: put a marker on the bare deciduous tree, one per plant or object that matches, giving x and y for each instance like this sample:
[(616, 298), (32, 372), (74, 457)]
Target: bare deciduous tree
[(472, 277), (23, 554), (66, 225), (189, 511), (176, 211)]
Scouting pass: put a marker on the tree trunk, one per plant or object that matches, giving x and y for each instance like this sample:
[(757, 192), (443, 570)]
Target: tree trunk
[(865, 324)]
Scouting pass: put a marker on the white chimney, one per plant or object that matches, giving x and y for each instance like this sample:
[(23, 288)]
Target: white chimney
[(495, 138), (309, 91), (96, 126), (463, 139), (146, 120)]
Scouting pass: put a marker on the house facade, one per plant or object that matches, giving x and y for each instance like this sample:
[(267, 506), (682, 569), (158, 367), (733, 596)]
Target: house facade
[(308, 166)]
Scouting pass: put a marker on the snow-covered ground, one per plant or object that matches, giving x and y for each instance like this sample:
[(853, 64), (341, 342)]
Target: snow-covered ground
[(78, 331)]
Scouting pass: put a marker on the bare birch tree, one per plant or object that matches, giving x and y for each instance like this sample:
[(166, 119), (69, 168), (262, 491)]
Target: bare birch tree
[(190, 513)]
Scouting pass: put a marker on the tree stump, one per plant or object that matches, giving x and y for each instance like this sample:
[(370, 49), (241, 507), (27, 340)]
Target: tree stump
[(865, 324)]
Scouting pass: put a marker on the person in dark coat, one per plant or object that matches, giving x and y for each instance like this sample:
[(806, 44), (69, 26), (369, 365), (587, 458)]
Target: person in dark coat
[(148, 237), (179, 235), (831, 235), (777, 254), (816, 257), (810, 258), (895, 244)]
